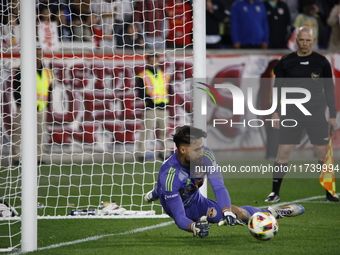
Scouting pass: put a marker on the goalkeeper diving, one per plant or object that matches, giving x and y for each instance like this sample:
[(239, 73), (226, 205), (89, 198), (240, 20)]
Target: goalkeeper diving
[(178, 189)]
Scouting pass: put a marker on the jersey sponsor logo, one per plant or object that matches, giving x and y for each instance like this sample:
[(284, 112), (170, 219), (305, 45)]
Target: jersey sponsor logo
[(315, 76), (306, 63), (212, 212), (170, 196), (280, 11)]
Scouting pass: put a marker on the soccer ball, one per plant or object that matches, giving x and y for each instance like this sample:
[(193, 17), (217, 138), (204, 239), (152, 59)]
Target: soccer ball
[(263, 226)]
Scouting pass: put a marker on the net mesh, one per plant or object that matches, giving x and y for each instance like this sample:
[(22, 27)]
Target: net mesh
[(96, 140)]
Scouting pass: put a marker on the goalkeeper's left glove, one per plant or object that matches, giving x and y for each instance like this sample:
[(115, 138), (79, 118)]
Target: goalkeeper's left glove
[(229, 218), (200, 228)]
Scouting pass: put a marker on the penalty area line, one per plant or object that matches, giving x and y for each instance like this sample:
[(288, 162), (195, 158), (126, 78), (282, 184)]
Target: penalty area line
[(92, 238)]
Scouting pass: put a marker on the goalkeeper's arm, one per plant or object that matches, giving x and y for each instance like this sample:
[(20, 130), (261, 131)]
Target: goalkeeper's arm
[(175, 204), (199, 228)]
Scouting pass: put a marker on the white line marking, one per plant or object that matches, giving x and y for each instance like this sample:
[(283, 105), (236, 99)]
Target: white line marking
[(318, 202), (92, 238)]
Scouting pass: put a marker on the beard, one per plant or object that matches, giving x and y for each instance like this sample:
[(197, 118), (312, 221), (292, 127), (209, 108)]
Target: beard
[(194, 162), (196, 167)]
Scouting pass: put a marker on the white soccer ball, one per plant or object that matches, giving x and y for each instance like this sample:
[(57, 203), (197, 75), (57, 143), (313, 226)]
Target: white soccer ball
[(263, 226)]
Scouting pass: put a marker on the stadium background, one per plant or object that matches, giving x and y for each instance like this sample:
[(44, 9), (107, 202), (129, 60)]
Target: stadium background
[(94, 103)]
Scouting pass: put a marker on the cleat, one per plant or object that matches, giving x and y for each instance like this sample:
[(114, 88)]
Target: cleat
[(272, 198), (148, 197), (286, 211), (332, 199)]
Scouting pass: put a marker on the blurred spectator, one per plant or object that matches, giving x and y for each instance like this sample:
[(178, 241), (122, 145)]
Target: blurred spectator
[(127, 10), (225, 25), (214, 16), (47, 30), (279, 23), (334, 22), (150, 16), (14, 7), (310, 18), (179, 14), (118, 11), (97, 30), (110, 18), (325, 7), (52, 5), (81, 20), (132, 39), (293, 6), (10, 31), (4, 10), (228, 4), (249, 25), (64, 29)]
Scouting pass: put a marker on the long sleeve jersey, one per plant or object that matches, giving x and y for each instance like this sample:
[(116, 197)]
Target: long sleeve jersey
[(178, 190)]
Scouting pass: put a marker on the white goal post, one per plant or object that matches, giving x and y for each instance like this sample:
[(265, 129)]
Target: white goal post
[(94, 116)]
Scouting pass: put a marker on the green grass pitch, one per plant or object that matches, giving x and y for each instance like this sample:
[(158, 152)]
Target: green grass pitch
[(317, 231)]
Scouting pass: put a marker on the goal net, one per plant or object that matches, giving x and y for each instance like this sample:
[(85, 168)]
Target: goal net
[(101, 134)]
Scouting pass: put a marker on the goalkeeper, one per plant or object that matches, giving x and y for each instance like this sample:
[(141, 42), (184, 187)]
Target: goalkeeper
[(178, 189)]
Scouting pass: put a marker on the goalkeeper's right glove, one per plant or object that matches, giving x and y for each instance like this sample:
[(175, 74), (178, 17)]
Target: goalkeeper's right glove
[(201, 227), (230, 219)]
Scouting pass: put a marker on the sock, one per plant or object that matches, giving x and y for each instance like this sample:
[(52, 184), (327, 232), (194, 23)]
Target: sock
[(328, 195), (278, 176), (251, 210)]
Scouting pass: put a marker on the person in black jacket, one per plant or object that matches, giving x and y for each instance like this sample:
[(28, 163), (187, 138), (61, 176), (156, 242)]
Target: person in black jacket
[(279, 23), (311, 71), (214, 16)]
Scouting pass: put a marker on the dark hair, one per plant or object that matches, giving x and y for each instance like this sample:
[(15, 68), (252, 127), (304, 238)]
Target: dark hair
[(187, 134)]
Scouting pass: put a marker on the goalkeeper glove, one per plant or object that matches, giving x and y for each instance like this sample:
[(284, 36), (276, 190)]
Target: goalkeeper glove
[(201, 227), (229, 218)]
